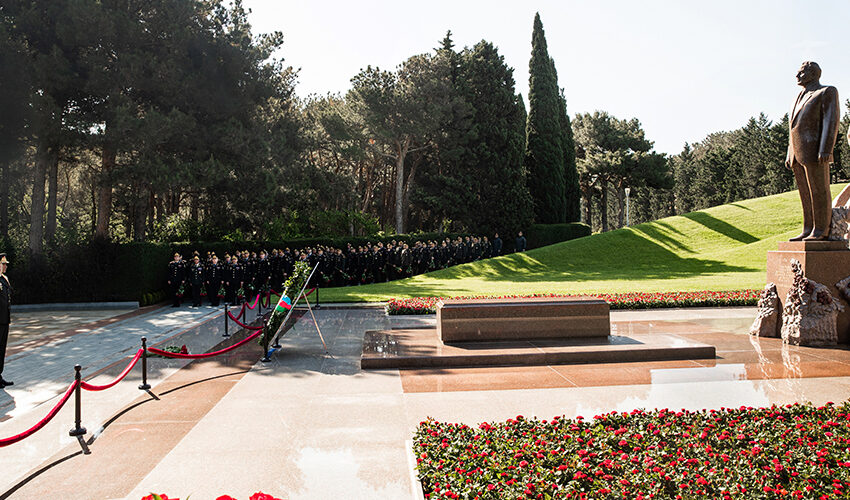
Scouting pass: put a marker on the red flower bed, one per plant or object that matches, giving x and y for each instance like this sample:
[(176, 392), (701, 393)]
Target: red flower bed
[(793, 451), (428, 305), (256, 496)]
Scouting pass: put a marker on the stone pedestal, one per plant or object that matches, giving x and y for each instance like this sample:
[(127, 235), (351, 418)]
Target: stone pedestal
[(522, 319), (826, 262)]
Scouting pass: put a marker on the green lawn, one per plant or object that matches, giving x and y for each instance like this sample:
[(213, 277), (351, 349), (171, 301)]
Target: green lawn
[(722, 248)]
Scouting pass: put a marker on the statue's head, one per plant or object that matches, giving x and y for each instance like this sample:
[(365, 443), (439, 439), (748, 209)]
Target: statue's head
[(809, 72)]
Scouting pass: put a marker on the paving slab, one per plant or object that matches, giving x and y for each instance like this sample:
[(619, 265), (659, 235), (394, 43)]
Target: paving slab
[(312, 424)]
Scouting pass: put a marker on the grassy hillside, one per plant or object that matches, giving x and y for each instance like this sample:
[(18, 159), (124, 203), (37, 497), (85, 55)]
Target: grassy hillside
[(722, 248)]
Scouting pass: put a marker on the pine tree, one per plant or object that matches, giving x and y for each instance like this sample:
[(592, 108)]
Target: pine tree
[(544, 154)]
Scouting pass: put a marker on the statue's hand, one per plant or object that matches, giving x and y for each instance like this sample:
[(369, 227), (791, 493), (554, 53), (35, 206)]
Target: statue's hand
[(788, 164), (823, 158)]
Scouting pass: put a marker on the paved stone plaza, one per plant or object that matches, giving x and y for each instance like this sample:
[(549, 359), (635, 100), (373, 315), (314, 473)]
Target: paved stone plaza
[(311, 425)]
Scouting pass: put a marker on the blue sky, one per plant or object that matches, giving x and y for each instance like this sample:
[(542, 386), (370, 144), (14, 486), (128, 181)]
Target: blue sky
[(683, 68)]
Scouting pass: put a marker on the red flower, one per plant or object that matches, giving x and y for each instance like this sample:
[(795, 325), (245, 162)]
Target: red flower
[(262, 496)]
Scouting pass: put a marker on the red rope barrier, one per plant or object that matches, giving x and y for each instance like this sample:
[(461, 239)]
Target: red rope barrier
[(90, 387), (32, 430), (241, 312), (243, 325), (311, 291), (256, 301), (205, 355)]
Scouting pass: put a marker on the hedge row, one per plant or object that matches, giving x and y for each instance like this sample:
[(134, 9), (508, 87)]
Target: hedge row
[(102, 271), (541, 235)]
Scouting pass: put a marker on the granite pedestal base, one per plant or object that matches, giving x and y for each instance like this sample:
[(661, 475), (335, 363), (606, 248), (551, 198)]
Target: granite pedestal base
[(422, 348), (522, 319), (826, 262)]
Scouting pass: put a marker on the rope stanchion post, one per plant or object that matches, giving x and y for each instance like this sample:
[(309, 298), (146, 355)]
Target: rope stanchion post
[(226, 312), (266, 357), (78, 430), (144, 385)]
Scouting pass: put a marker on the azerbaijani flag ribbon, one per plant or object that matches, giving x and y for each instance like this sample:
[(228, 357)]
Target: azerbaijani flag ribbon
[(284, 304)]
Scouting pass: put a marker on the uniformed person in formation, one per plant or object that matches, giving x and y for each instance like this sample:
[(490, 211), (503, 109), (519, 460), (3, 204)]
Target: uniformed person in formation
[(176, 278), (264, 270), (232, 280), (337, 267), (196, 277), (213, 276), (5, 315)]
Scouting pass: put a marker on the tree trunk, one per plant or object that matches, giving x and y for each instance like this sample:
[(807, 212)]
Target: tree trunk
[(194, 206), (104, 198), (4, 200), (603, 209), (42, 162), (402, 148), (621, 205), (93, 192), (52, 196), (588, 206), (151, 212), (140, 216), (160, 209), (405, 207)]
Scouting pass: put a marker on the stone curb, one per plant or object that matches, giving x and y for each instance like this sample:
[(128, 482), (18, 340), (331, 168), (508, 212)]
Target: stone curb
[(74, 306)]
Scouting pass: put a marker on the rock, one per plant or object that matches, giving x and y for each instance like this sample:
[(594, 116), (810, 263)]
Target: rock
[(840, 226), (768, 321), (810, 312)]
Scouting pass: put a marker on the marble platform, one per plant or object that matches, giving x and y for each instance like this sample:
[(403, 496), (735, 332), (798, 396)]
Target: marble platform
[(422, 348)]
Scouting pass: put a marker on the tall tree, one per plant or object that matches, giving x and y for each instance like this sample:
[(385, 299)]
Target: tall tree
[(402, 111), (496, 149), (544, 154), (617, 154)]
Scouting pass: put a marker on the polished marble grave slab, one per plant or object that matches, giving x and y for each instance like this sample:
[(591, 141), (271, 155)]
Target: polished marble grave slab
[(475, 320)]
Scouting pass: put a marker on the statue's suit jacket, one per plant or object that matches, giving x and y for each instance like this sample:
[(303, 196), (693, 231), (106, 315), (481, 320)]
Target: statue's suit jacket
[(814, 126)]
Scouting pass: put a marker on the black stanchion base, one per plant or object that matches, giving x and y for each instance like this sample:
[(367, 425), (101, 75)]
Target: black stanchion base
[(266, 359), (277, 345), (144, 387), (77, 431), (225, 335), (84, 445)]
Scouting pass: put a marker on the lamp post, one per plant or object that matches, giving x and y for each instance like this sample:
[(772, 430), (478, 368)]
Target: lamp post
[(628, 190)]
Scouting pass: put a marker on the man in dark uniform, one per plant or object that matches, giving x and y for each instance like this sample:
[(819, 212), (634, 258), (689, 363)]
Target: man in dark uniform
[(520, 242), (232, 280), (264, 271), (176, 277), (196, 277), (213, 276), (5, 315), (249, 271), (497, 245)]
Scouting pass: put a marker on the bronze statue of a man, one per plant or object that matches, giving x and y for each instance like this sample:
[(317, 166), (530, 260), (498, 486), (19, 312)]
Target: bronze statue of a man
[(814, 130)]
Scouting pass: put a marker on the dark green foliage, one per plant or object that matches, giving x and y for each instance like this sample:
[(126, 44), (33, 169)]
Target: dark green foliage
[(477, 179), (98, 271), (572, 189), (615, 155), (544, 154), (731, 166), (540, 235)]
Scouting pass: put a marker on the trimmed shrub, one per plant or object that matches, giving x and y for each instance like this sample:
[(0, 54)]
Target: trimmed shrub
[(541, 235)]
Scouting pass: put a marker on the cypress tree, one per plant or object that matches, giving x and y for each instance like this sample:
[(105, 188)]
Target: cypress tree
[(544, 154), (496, 154), (572, 190)]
